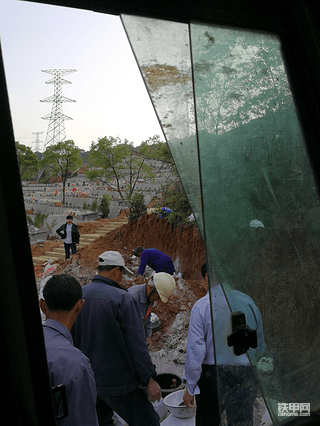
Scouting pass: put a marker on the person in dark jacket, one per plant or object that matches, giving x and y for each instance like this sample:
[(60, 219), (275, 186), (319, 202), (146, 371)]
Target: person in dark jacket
[(158, 261), (110, 333), (69, 232), (61, 303)]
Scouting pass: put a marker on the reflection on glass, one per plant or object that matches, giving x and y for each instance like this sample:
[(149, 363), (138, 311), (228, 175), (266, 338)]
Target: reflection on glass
[(238, 386), (162, 50), (260, 207)]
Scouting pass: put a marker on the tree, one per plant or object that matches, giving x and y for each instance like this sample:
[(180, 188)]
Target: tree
[(94, 205), (27, 161), (160, 152), (104, 206), (137, 207), (63, 159), (119, 165)]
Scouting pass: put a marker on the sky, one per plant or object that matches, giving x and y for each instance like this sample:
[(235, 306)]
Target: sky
[(111, 98)]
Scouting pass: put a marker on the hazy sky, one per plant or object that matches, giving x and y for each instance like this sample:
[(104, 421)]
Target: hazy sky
[(111, 99)]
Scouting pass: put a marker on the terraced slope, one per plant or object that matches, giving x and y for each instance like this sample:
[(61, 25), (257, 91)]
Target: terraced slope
[(85, 239)]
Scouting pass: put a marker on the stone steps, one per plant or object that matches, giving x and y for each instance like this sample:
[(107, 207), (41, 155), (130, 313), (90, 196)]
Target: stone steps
[(57, 253)]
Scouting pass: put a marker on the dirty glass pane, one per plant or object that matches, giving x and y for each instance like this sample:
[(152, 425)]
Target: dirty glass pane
[(261, 217), (162, 50)]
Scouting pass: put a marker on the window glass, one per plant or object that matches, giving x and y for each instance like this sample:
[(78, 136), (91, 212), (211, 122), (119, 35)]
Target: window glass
[(260, 208), (223, 99), (162, 50)]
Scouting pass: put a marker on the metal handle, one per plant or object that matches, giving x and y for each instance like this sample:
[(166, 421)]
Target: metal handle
[(242, 337)]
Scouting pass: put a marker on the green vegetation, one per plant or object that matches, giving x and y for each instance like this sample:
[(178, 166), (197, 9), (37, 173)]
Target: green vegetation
[(27, 161), (137, 207), (120, 165), (39, 219), (29, 220), (94, 206), (175, 198), (51, 226), (104, 207), (62, 159)]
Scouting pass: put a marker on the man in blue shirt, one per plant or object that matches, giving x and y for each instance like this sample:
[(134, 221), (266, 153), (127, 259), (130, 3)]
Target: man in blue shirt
[(158, 261), (110, 333), (67, 365), (237, 383)]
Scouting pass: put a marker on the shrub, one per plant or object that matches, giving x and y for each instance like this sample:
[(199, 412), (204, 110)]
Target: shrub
[(137, 207), (39, 218), (176, 199), (29, 220), (51, 226), (94, 206), (104, 206), (174, 219), (85, 206)]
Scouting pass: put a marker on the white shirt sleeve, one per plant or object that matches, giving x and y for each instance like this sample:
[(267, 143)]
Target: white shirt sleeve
[(196, 349)]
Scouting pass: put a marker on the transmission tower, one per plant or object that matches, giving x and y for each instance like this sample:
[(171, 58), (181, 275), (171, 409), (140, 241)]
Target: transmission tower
[(37, 142), (56, 129)]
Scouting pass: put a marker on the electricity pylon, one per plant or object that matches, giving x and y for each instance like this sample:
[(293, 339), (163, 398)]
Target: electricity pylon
[(37, 142), (56, 129)]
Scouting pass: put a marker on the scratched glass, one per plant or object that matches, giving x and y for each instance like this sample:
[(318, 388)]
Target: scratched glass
[(162, 50), (225, 104)]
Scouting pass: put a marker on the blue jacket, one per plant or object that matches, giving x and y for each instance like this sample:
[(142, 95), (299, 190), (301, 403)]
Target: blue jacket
[(110, 333), (158, 261), (68, 366)]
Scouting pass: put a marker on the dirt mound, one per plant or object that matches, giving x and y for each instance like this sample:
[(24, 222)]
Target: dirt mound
[(184, 246), (39, 249)]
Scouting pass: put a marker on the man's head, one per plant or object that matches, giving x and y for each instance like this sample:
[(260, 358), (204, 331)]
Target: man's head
[(112, 265), (164, 285), (62, 298), (204, 274), (137, 251), (69, 219)]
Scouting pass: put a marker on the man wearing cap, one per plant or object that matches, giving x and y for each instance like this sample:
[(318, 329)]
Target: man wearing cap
[(159, 287), (109, 332), (158, 261)]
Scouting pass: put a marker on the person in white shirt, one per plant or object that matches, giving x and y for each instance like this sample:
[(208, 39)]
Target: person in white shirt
[(69, 232), (220, 380)]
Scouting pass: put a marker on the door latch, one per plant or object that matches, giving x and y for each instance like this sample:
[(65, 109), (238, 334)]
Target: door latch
[(242, 337)]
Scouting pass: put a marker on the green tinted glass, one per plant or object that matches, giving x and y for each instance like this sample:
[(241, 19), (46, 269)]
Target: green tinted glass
[(260, 208), (223, 98), (163, 53)]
